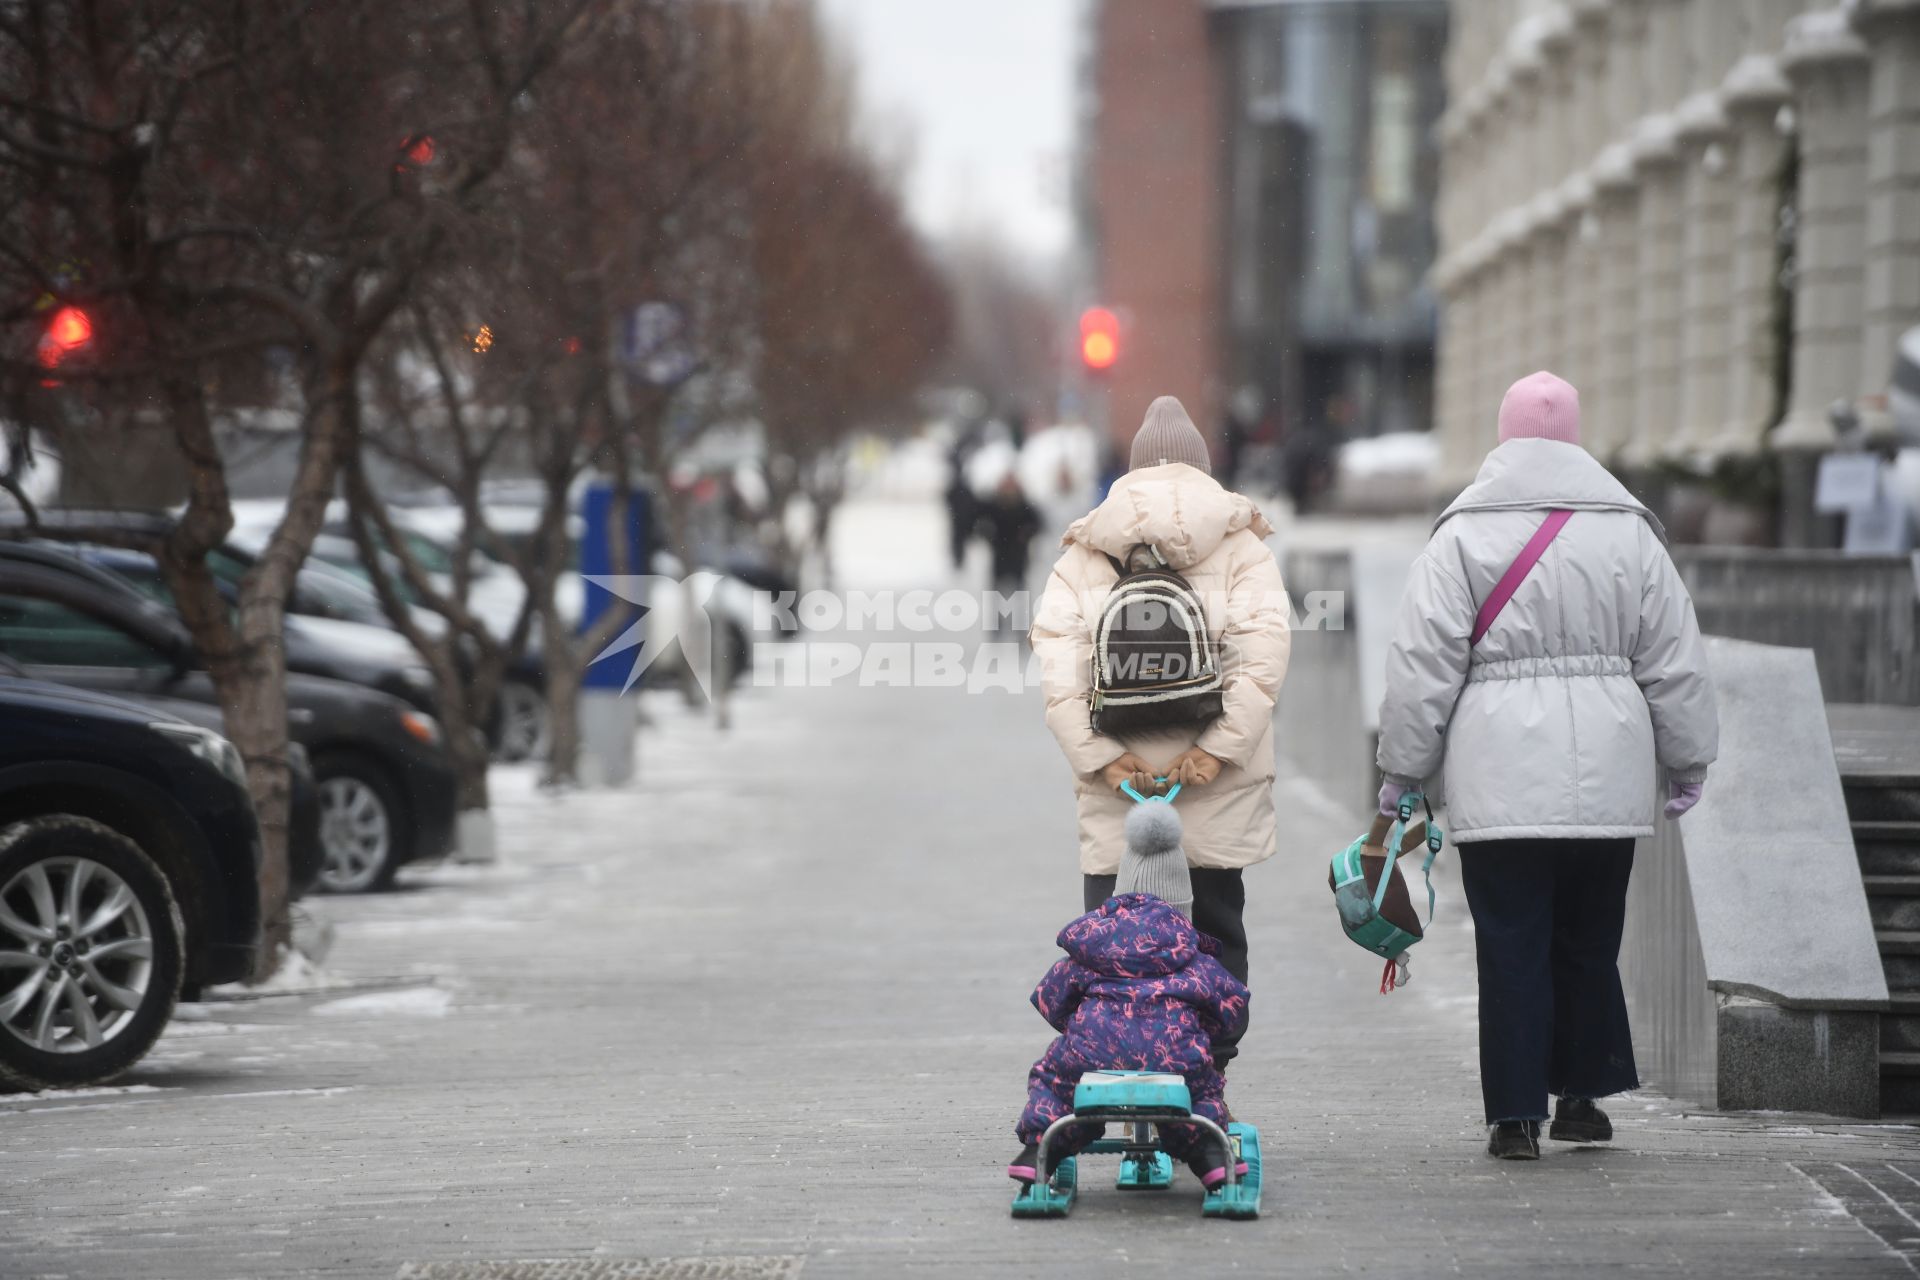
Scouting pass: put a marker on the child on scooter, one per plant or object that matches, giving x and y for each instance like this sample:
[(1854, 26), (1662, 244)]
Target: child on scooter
[(1140, 990)]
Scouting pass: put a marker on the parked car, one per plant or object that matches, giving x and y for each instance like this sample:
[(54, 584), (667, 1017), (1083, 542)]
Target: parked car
[(386, 786), (305, 854), (326, 633), (730, 603), (129, 871), (516, 724)]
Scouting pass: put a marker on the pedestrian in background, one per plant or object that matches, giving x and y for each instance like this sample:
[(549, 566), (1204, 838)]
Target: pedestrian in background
[(963, 509), (1168, 500), (1547, 729), (1009, 523)]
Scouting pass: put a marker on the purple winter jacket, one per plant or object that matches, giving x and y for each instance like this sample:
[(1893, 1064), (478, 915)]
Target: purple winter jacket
[(1140, 990)]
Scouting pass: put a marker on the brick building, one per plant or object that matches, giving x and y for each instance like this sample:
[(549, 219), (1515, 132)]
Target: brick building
[(1257, 189), (1150, 204)]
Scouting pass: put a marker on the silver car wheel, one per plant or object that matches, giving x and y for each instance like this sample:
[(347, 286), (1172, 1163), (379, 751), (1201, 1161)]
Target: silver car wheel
[(76, 955), (356, 831)]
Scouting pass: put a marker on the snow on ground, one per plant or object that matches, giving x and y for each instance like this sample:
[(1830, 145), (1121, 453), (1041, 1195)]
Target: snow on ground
[(411, 1002)]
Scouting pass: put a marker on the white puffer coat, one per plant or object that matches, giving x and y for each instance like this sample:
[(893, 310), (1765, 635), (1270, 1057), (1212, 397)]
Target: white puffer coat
[(1593, 673), (1213, 539)]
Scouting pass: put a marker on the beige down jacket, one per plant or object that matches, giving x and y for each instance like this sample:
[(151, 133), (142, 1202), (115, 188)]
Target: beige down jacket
[(1594, 672), (1212, 538)]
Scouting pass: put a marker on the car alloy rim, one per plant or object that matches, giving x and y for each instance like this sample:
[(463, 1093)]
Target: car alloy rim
[(355, 831), (523, 722), (76, 955)]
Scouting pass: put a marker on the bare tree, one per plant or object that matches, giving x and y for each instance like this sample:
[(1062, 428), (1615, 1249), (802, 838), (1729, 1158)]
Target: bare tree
[(1006, 323), (211, 179)]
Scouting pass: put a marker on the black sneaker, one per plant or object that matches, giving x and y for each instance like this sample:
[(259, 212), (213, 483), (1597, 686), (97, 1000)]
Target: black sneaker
[(1022, 1170), (1514, 1140), (1578, 1120)]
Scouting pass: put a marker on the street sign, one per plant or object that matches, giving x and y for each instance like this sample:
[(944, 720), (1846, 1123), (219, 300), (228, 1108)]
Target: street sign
[(654, 345)]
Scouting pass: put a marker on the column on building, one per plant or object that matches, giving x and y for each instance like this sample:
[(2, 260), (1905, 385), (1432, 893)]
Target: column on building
[(1892, 32), (1497, 273), (1526, 109), (1607, 416), (1463, 334), (1617, 207), (1445, 279), (1655, 153), (1584, 135), (1496, 333), (1707, 255), (1827, 62), (1554, 166), (1753, 96), (1656, 350)]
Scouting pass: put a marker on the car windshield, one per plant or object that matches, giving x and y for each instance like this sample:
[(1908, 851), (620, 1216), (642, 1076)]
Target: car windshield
[(47, 633), (328, 591)]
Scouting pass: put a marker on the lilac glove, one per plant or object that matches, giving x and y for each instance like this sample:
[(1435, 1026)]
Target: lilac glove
[(1390, 793), (1682, 797)]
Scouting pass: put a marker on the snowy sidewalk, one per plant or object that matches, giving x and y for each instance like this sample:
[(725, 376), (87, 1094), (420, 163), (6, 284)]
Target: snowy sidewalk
[(770, 1004)]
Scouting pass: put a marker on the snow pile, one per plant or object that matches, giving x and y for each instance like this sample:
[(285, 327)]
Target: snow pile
[(297, 975), (1400, 453), (408, 1002)]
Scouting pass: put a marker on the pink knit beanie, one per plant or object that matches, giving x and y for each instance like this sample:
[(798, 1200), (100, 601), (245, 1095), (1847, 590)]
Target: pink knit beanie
[(1540, 407)]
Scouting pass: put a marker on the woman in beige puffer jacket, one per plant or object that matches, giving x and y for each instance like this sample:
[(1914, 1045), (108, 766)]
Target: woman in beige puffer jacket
[(1170, 501)]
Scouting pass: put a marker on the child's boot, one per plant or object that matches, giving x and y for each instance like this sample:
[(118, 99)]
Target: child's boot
[(1024, 1168), (1208, 1160)]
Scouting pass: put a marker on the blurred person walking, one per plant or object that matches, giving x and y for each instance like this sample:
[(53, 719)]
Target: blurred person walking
[(1169, 502), (963, 508), (1545, 659), (1010, 523)]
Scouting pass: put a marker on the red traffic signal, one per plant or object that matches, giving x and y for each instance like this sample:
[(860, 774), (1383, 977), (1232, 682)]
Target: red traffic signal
[(1099, 338), (69, 332)]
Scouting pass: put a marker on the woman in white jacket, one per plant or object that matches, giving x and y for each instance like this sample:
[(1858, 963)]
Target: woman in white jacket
[(1546, 734)]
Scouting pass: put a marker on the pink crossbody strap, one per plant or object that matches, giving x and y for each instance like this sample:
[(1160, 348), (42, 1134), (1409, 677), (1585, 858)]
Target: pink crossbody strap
[(1517, 572)]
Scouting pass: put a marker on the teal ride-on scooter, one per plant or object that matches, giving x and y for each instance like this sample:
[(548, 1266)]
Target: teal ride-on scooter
[(1140, 1101)]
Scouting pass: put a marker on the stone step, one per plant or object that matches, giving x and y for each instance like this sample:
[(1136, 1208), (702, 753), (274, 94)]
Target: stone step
[(1893, 901), (1899, 1064), (1899, 1083), (1902, 970), (1887, 847), (1899, 1097), (1898, 942), (1900, 1024), (1877, 799)]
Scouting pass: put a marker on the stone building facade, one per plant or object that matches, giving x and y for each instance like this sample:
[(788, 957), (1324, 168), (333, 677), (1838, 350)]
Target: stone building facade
[(1705, 214)]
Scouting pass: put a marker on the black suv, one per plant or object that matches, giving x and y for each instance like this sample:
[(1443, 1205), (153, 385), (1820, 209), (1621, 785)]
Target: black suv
[(387, 786), (305, 854), (129, 869)]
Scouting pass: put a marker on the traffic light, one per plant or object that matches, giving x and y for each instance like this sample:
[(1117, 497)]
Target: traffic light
[(69, 332), (1099, 339)]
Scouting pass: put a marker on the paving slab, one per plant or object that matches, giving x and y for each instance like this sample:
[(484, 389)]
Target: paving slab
[(765, 1010)]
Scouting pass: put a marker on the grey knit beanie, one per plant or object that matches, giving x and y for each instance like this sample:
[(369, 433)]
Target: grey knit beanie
[(1168, 435), (1154, 862)]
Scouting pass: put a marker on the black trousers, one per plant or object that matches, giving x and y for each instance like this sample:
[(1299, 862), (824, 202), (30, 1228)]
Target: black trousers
[(1219, 911), (1547, 919)]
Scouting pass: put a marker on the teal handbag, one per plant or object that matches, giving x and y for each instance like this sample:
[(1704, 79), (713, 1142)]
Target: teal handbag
[(1360, 905)]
